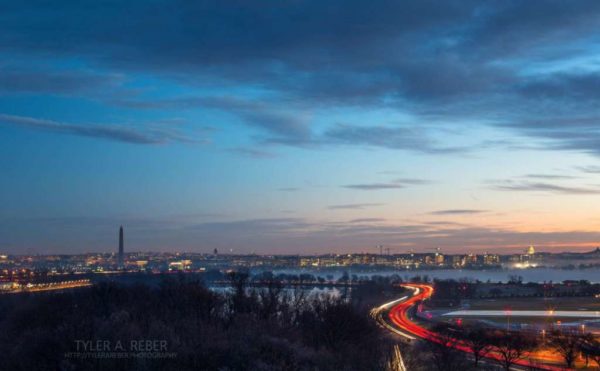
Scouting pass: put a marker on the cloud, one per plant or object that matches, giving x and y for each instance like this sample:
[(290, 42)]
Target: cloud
[(276, 122), (280, 126), (544, 187), (395, 184), (113, 133), (458, 212), (374, 186), (41, 80), (252, 152), (589, 169), (563, 86), (282, 235), (413, 181), (366, 220), (353, 206), (570, 132), (387, 137), (416, 47), (449, 62), (293, 129), (549, 176)]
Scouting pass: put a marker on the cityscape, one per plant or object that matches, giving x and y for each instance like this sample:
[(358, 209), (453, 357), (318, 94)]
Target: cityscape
[(303, 185), (467, 314), (20, 270)]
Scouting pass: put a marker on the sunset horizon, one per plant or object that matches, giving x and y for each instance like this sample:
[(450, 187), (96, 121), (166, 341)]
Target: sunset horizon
[(299, 129)]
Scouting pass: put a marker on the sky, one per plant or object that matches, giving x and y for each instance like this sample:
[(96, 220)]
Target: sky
[(299, 127)]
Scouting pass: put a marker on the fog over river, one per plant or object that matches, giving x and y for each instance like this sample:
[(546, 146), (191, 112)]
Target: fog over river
[(496, 275)]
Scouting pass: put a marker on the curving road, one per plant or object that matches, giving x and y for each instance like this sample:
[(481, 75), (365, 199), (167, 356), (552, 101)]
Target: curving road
[(394, 316)]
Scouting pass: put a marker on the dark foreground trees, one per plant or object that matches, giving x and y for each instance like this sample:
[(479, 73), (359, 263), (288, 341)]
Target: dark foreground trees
[(512, 347), (590, 348), (477, 340), (442, 347), (270, 329), (567, 343)]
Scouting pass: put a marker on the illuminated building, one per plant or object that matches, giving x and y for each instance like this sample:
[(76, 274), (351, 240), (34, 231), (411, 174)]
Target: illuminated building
[(491, 259)]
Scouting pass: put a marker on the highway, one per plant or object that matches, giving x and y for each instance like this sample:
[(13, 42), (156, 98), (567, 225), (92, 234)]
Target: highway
[(49, 286), (394, 316)]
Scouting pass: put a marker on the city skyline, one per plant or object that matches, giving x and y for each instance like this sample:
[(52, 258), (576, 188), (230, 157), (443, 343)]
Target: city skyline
[(300, 129)]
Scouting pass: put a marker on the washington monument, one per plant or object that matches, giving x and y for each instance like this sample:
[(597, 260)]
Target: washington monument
[(121, 250)]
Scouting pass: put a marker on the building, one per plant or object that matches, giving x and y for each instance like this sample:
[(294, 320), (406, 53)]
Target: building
[(439, 259), (180, 265), (491, 259)]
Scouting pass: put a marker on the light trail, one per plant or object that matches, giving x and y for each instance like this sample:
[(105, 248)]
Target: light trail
[(524, 313), (377, 314), (48, 286), (400, 323)]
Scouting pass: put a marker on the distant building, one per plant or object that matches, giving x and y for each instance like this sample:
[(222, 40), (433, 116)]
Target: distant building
[(180, 265), (457, 261), (439, 259), (491, 259), (531, 250), (120, 258)]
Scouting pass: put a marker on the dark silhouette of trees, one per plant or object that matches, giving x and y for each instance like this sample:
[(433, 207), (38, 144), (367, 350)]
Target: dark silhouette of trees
[(512, 347), (477, 340), (590, 348), (444, 355), (270, 328), (567, 343), (239, 300)]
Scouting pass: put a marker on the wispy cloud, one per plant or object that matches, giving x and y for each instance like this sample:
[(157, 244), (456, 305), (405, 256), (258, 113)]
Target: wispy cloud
[(395, 184), (290, 235), (457, 212), (374, 186), (279, 125), (367, 220), (549, 176), (253, 152), (107, 132), (589, 169), (544, 187), (353, 206), (41, 80), (399, 138), (413, 181)]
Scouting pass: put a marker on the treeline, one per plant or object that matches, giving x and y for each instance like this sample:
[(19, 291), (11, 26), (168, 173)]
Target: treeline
[(308, 278), (271, 328), (451, 291)]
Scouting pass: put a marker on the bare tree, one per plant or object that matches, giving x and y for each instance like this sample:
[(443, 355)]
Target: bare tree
[(590, 347), (567, 344), (442, 347), (513, 347), (270, 299), (478, 340), (239, 299)]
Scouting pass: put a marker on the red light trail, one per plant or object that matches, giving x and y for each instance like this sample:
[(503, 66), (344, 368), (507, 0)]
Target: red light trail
[(402, 325)]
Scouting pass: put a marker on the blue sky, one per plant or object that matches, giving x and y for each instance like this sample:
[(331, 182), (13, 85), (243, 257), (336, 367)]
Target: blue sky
[(299, 127)]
